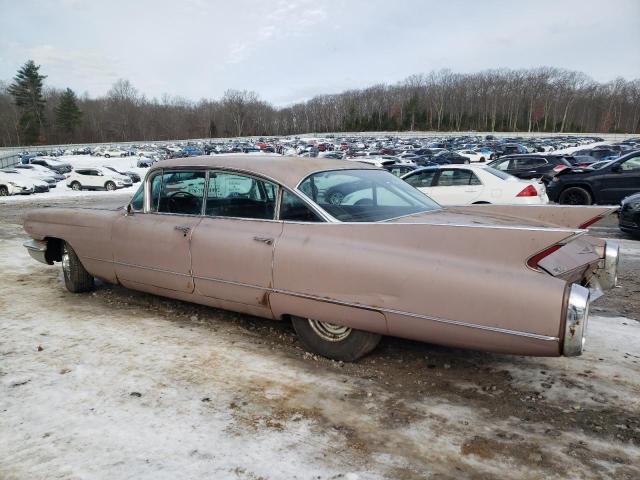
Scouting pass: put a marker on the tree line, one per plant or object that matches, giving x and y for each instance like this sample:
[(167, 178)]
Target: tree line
[(528, 100)]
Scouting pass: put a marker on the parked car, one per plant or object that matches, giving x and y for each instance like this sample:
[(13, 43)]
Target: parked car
[(97, 178), (607, 185), (531, 166), (473, 156), (30, 172), (112, 152), (135, 178), (39, 186), (388, 262), (52, 163), (629, 215), (14, 184), (466, 185), (450, 157), (41, 172)]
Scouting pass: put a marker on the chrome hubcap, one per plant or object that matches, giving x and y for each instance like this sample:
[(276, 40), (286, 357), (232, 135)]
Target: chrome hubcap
[(65, 262), (330, 331)]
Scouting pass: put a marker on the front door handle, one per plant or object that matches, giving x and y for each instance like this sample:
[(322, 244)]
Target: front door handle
[(266, 240), (182, 228)]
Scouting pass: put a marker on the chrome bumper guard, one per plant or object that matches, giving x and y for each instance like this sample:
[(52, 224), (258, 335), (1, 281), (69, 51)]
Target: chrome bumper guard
[(37, 249), (576, 321)]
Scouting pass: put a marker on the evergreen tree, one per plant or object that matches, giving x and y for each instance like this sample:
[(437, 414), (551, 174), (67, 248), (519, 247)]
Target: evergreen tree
[(26, 90), (68, 115)]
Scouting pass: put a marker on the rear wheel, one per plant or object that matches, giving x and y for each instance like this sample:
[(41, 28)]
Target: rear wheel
[(110, 186), (333, 341), (575, 196), (4, 191), (76, 186), (76, 278)]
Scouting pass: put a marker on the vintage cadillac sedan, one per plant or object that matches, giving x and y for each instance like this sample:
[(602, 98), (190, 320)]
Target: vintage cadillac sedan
[(265, 236)]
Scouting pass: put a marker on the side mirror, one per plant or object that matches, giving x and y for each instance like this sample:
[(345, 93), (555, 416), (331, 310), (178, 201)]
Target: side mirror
[(616, 168)]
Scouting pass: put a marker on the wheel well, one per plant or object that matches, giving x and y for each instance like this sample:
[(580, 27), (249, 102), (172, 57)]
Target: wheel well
[(54, 249)]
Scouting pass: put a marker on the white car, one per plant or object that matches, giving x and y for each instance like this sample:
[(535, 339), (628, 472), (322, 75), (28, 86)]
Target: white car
[(111, 152), (97, 178), (473, 155), (15, 184), (31, 172), (469, 184)]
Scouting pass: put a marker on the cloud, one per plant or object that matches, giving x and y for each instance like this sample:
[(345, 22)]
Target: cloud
[(287, 19)]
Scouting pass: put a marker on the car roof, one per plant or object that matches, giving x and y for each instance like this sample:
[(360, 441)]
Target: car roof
[(289, 171)]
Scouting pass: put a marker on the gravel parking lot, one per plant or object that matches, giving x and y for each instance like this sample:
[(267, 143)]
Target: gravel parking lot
[(121, 384)]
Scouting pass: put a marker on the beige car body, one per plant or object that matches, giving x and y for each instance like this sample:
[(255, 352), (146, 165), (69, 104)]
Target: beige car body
[(457, 276)]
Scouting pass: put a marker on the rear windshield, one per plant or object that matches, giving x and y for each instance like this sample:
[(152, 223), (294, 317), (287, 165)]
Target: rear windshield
[(364, 195)]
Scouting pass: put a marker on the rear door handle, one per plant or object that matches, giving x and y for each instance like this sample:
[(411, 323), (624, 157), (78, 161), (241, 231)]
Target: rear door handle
[(182, 228), (266, 240)]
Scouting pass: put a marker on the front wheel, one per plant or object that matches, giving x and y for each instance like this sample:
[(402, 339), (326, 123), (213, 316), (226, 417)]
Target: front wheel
[(110, 186), (333, 341), (4, 191), (76, 186), (106, 155), (575, 196), (76, 278)]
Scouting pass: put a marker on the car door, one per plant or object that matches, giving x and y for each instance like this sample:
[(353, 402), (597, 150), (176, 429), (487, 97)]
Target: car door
[(152, 246), (619, 180), (232, 248), (456, 186)]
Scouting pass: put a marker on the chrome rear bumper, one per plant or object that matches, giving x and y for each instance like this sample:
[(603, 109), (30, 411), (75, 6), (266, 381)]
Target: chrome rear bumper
[(576, 320), (38, 250), (606, 276)]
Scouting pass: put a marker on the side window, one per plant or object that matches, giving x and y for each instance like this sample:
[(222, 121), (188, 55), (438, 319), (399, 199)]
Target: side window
[(235, 195), (631, 164), (181, 192), (137, 202), (502, 166), (474, 180), (455, 178), (421, 179), (295, 210)]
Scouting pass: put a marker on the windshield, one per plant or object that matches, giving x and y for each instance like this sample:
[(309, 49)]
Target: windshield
[(364, 195)]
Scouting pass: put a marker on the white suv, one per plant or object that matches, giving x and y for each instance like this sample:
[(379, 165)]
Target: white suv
[(97, 178)]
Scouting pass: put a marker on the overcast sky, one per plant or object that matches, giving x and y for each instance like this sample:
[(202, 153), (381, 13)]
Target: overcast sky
[(290, 50)]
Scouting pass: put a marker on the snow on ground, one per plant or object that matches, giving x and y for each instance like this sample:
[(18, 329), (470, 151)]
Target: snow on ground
[(79, 161), (116, 384)]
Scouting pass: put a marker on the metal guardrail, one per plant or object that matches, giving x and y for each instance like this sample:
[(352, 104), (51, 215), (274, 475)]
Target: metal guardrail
[(9, 160)]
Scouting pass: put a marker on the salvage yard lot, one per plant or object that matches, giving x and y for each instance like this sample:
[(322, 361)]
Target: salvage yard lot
[(121, 384)]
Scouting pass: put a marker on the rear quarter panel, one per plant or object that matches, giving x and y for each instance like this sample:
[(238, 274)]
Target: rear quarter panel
[(429, 281)]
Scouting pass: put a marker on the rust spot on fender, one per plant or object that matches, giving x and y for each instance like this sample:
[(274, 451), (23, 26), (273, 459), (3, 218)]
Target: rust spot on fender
[(264, 301)]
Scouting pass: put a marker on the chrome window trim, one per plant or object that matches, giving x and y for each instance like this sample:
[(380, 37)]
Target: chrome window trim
[(250, 175)]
